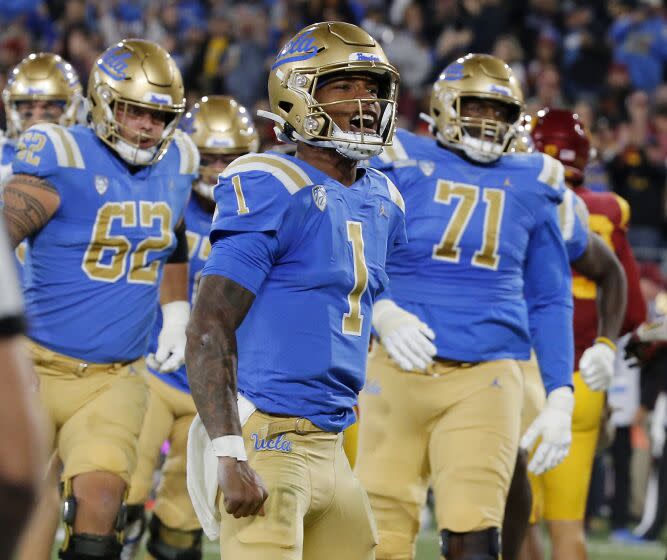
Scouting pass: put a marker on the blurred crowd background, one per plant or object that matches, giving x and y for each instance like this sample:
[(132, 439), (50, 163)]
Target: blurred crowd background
[(604, 58)]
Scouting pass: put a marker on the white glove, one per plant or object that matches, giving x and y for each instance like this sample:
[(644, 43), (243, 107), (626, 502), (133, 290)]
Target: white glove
[(406, 338), (554, 425), (597, 366), (653, 331), (658, 426), (170, 353)]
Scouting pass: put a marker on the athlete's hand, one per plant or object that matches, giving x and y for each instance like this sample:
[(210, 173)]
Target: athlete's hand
[(405, 337), (554, 425), (170, 353), (242, 489), (653, 331), (597, 366)]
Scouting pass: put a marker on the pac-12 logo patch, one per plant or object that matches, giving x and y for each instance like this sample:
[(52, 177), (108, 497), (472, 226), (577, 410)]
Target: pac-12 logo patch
[(320, 197), (101, 184)]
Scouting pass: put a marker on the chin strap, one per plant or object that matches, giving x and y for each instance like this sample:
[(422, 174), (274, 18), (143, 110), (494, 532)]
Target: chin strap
[(347, 144), (204, 189)]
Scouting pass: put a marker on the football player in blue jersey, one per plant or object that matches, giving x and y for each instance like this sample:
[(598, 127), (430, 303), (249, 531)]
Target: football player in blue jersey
[(222, 130), (41, 88), (444, 392), (282, 316), (102, 207)]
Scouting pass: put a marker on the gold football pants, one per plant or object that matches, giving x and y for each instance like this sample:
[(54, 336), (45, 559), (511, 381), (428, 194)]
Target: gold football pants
[(169, 415), (456, 429), (316, 509), (95, 411)]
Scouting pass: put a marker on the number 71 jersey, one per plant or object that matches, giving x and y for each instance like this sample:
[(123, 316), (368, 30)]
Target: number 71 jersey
[(475, 232), (93, 271)]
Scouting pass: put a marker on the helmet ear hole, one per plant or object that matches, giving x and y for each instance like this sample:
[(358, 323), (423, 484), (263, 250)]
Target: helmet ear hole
[(286, 106)]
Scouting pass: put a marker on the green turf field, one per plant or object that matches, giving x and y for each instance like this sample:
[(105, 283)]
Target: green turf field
[(599, 549)]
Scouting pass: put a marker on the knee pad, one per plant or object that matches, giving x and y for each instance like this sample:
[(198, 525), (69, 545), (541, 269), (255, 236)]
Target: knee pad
[(90, 547), (83, 545), (473, 545), (165, 543)]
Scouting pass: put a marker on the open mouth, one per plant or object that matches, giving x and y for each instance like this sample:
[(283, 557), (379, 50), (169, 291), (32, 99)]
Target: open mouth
[(365, 122)]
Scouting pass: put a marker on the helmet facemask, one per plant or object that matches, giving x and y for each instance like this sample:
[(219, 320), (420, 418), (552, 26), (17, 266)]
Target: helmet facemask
[(109, 128), (208, 171), (481, 139)]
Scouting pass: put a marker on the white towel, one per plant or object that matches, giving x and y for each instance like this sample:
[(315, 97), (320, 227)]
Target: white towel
[(202, 471)]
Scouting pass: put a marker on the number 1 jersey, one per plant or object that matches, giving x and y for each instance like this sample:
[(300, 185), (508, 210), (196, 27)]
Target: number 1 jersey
[(313, 252)]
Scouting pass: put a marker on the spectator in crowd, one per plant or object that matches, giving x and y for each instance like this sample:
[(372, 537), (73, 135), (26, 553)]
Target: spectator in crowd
[(585, 58), (547, 91), (639, 40)]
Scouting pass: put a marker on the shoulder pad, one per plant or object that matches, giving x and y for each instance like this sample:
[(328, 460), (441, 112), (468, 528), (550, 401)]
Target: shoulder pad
[(283, 169), (624, 208), (552, 173), (394, 153), (188, 153), (394, 193), (571, 210), (63, 142)]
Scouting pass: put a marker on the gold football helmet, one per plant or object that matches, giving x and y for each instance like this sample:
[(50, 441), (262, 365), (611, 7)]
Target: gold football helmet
[(478, 76), (316, 52), (41, 77), (135, 74), (218, 125)]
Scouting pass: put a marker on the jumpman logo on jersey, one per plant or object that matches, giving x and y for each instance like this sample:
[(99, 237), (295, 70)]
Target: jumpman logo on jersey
[(496, 383), (507, 183)]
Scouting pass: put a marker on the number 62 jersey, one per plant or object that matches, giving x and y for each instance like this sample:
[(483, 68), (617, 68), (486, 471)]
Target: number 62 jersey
[(313, 252), (480, 236), (93, 271)]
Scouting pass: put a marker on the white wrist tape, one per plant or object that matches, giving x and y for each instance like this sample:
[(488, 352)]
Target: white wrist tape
[(176, 312), (230, 446)]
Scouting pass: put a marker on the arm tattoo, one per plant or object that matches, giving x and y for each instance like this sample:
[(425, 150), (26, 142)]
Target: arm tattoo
[(210, 354), (24, 212)]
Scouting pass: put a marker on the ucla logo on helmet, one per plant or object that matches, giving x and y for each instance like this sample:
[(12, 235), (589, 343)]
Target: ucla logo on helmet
[(453, 72), (320, 197), (302, 47), (113, 63)]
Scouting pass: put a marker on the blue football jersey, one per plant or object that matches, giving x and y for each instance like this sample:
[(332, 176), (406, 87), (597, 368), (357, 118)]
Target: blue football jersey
[(573, 221), (93, 271), (198, 224), (478, 234), (7, 152), (302, 347)]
